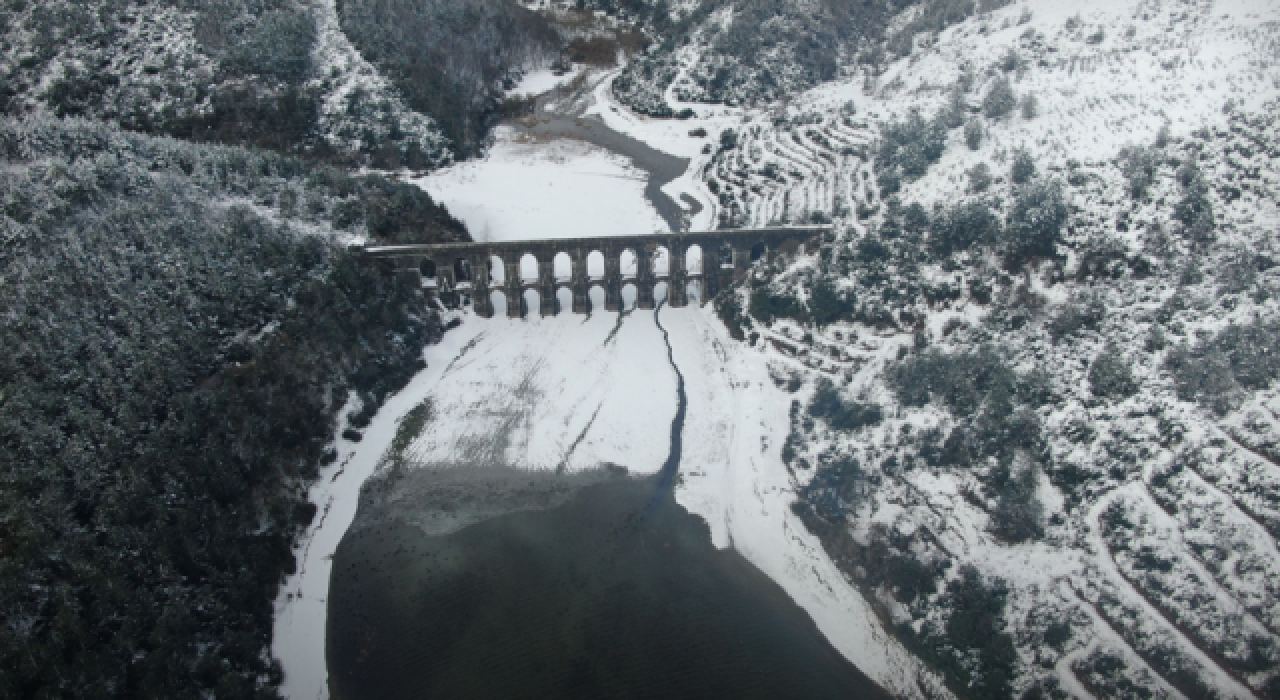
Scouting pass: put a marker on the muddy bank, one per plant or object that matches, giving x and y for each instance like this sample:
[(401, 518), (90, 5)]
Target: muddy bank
[(441, 500)]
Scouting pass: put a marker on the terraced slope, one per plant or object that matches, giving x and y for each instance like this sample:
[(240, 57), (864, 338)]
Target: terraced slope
[(1035, 417)]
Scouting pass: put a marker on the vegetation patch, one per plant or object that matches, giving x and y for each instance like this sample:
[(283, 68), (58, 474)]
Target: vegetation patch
[(176, 360)]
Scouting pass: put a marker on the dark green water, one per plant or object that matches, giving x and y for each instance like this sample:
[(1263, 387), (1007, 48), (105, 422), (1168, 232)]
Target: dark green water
[(612, 595)]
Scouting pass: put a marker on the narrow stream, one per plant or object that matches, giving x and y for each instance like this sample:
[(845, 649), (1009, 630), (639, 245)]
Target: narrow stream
[(666, 477)]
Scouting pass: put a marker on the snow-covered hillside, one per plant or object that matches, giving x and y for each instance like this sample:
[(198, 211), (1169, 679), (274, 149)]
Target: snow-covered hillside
[(1101, 76), (360, 110), (1051, 428)]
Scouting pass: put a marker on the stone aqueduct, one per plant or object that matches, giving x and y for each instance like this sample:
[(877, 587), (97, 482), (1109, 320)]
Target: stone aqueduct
[(466, 267)]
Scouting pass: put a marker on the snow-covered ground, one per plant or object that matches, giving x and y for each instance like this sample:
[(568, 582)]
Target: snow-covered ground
[(543, 80), (563, 188), (565, 392)]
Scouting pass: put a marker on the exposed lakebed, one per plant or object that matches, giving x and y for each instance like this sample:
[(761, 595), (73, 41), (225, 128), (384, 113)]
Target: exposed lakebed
[(660, 168), (562, 171), (592, 584)]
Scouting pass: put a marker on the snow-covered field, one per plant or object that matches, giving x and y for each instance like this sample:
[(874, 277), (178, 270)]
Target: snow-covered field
[(566, 392), (562, 188)]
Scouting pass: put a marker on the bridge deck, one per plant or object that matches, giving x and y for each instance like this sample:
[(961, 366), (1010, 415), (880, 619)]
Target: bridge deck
[(729, 235)]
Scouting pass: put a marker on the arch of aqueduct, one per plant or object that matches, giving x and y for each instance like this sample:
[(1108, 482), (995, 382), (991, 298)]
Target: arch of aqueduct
[(465, 267)]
